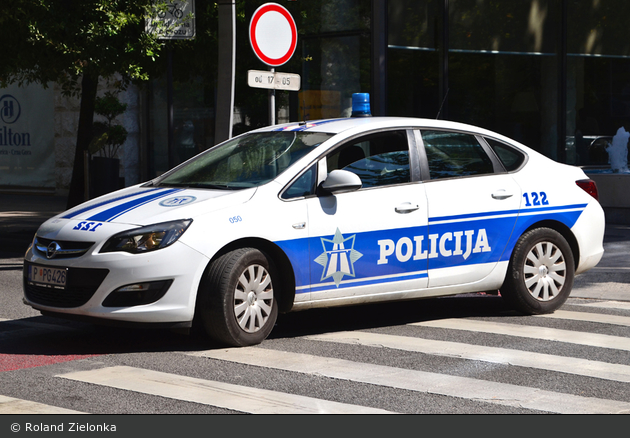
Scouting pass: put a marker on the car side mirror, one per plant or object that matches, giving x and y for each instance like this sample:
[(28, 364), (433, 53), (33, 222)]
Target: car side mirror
[(339, 181)]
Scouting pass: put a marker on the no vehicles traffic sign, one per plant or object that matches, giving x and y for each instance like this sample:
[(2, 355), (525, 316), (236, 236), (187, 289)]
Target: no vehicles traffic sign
[(273, 34)]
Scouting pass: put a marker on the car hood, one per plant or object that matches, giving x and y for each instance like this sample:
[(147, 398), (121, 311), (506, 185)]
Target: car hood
[(139, 206)]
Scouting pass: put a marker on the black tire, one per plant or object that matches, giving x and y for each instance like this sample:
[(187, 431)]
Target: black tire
[(540, 273), (236, 302)]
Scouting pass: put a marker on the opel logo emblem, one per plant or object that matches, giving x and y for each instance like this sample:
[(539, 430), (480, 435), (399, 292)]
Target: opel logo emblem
[(52, 249)]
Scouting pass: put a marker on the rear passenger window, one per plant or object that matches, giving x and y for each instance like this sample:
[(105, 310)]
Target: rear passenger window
[(510, 157), (453, 154)]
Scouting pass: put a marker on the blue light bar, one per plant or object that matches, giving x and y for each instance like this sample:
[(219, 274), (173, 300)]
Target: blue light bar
[(361, 105)]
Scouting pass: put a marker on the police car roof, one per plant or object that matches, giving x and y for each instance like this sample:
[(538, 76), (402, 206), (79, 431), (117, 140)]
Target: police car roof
[(337, 126), (356, 125)]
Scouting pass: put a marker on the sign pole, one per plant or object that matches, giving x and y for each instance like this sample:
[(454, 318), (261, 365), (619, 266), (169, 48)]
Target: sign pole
[(224, 118), (178, 22), (272, 103), (169, 107)]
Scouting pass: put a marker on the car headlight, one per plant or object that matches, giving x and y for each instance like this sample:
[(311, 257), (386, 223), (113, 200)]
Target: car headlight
[(149, 238)]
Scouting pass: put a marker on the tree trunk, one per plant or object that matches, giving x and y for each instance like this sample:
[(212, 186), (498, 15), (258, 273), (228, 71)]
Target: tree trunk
[(89, 85)]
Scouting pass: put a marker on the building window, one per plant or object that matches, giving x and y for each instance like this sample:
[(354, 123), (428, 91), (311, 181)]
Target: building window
[(500, 71), (598, 79)]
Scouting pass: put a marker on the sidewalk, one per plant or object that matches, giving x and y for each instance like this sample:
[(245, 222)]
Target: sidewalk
[(21, 215), (610, 279)]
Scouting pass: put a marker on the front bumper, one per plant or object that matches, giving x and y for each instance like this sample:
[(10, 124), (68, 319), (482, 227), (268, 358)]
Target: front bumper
[(93, 277)]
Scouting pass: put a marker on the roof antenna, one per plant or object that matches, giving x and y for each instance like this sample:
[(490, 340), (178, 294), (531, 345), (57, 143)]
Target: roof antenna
[(443, 100)]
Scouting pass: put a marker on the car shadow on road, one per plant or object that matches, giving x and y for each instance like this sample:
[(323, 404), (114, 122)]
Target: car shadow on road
[(387, 314), (43, 335)]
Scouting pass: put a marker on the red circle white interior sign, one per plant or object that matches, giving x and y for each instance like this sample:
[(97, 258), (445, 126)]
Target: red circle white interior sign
[(273, 34)]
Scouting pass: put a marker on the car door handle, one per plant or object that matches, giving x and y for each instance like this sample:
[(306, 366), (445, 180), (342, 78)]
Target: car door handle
[(501, 194), (406, 207)]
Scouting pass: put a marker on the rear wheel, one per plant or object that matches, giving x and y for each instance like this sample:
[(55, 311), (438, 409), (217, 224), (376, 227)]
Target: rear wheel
[(236, 298), (540, 273)]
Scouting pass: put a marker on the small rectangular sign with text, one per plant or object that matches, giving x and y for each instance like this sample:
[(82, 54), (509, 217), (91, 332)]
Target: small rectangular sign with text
[(273, 80)]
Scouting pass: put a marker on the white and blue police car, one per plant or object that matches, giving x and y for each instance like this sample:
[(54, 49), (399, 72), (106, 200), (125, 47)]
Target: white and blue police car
[(318, 214)]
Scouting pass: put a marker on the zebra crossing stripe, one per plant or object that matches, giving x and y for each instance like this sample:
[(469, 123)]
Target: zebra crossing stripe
[(421, 381), (619, 305), (568, 365), (224, 395), (588, 317), (12, 406), (523, 331)]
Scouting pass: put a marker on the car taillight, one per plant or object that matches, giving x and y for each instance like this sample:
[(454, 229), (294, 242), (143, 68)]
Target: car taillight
[(589, 186)]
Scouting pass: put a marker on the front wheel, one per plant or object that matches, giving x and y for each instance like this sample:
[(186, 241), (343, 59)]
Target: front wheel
[(540, 273), (236, 298)]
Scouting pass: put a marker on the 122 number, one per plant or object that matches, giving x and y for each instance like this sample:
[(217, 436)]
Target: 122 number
[(536, 199)]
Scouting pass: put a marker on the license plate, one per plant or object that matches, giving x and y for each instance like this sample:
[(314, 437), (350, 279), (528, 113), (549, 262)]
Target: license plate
[(51, 277)]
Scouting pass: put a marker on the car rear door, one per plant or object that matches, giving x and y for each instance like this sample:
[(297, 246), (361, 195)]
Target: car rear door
[(473, 204)]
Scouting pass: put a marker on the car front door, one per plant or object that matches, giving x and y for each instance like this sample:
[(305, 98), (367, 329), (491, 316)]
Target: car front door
[(365, 242)]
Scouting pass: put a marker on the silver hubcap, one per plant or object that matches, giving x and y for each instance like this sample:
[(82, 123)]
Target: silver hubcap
[(253, 298), (545, 271)]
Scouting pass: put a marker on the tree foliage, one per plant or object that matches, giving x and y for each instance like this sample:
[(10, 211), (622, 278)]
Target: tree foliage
[(75, 43), (63, 40)]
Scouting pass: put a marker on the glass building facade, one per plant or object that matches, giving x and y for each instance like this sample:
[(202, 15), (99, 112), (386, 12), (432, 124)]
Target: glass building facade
[(553, 74)]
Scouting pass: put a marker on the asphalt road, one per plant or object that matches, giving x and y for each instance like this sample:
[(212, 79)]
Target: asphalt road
[(435, 356)]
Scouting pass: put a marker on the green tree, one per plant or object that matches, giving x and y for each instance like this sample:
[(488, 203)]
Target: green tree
[(75, 43)]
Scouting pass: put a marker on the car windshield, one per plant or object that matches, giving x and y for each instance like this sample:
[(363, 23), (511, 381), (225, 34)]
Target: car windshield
[(246, 161)]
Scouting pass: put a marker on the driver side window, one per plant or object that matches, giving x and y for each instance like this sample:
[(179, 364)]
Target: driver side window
[(378, 159)]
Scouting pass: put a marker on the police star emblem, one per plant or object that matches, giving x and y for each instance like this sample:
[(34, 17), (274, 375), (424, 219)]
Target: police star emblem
[(338, 257)]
